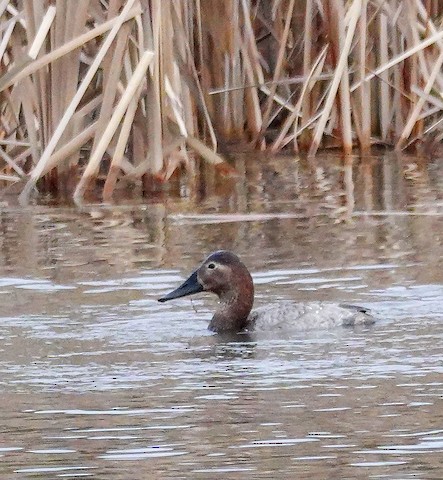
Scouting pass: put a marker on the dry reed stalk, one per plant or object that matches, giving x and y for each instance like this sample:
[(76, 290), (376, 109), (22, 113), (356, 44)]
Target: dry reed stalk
[(195, 98), (356, 8), (112, 70), (345, 100), (12, 163), (71, 147), (237, 75), (364, 112), (385, 100), (97, 154), (69, 112), (429, 25), (414, 115), (308, 46), (400, 58), (27, 67), (210, 156), (279, 64), (292, 119), (9, 178), (6, 37), (253, 111), (118, 154), (154, 96)]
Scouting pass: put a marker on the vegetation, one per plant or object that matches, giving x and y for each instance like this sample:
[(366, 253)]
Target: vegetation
[(94, 91)]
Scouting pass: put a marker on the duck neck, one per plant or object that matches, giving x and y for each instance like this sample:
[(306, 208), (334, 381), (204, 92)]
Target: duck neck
[(234, 309)]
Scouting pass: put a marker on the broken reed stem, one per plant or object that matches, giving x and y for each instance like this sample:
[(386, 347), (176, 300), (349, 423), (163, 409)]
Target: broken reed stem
[(295, 75)]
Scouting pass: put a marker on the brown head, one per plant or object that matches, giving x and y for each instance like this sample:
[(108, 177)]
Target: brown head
[(224, 274)]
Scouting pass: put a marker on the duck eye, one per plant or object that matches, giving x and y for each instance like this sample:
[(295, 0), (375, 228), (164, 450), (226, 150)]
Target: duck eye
[(211, 265)]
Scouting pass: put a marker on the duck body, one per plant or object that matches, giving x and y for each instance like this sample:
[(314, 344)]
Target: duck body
[(224, 274)]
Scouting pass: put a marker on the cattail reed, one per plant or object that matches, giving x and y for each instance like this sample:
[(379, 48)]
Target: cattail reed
[(92, 92)]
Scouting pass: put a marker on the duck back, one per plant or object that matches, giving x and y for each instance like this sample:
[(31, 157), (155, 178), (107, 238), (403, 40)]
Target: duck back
[(286, 315)]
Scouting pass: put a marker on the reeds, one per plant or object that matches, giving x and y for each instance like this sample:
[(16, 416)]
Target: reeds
[(93, 91)]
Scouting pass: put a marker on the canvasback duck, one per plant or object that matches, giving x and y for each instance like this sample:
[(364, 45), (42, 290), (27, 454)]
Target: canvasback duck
[(224, 274)]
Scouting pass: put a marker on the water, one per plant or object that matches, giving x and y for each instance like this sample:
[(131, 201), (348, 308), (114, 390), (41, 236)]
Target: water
[(99, 380)]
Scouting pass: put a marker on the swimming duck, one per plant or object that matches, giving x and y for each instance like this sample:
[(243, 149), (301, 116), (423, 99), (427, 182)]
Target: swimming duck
[(224, 274)]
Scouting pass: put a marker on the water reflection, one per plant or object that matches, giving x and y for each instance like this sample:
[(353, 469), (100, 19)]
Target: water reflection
[(99, 380)]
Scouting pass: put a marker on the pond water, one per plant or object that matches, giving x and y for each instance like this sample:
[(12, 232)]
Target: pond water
[(99, 380)]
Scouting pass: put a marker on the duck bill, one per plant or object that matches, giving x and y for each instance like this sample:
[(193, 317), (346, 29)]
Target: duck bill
[(188, 287)]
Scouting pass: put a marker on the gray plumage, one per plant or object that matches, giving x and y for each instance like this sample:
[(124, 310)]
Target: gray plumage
[(287, 315)]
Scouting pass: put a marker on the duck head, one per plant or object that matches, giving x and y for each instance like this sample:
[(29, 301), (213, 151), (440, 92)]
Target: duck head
[(224, 274)]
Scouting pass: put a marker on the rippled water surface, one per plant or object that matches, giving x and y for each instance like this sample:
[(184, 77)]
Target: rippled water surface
[(99, 380)]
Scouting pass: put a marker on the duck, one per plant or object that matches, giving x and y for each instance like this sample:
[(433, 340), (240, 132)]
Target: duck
[(225, 275)]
